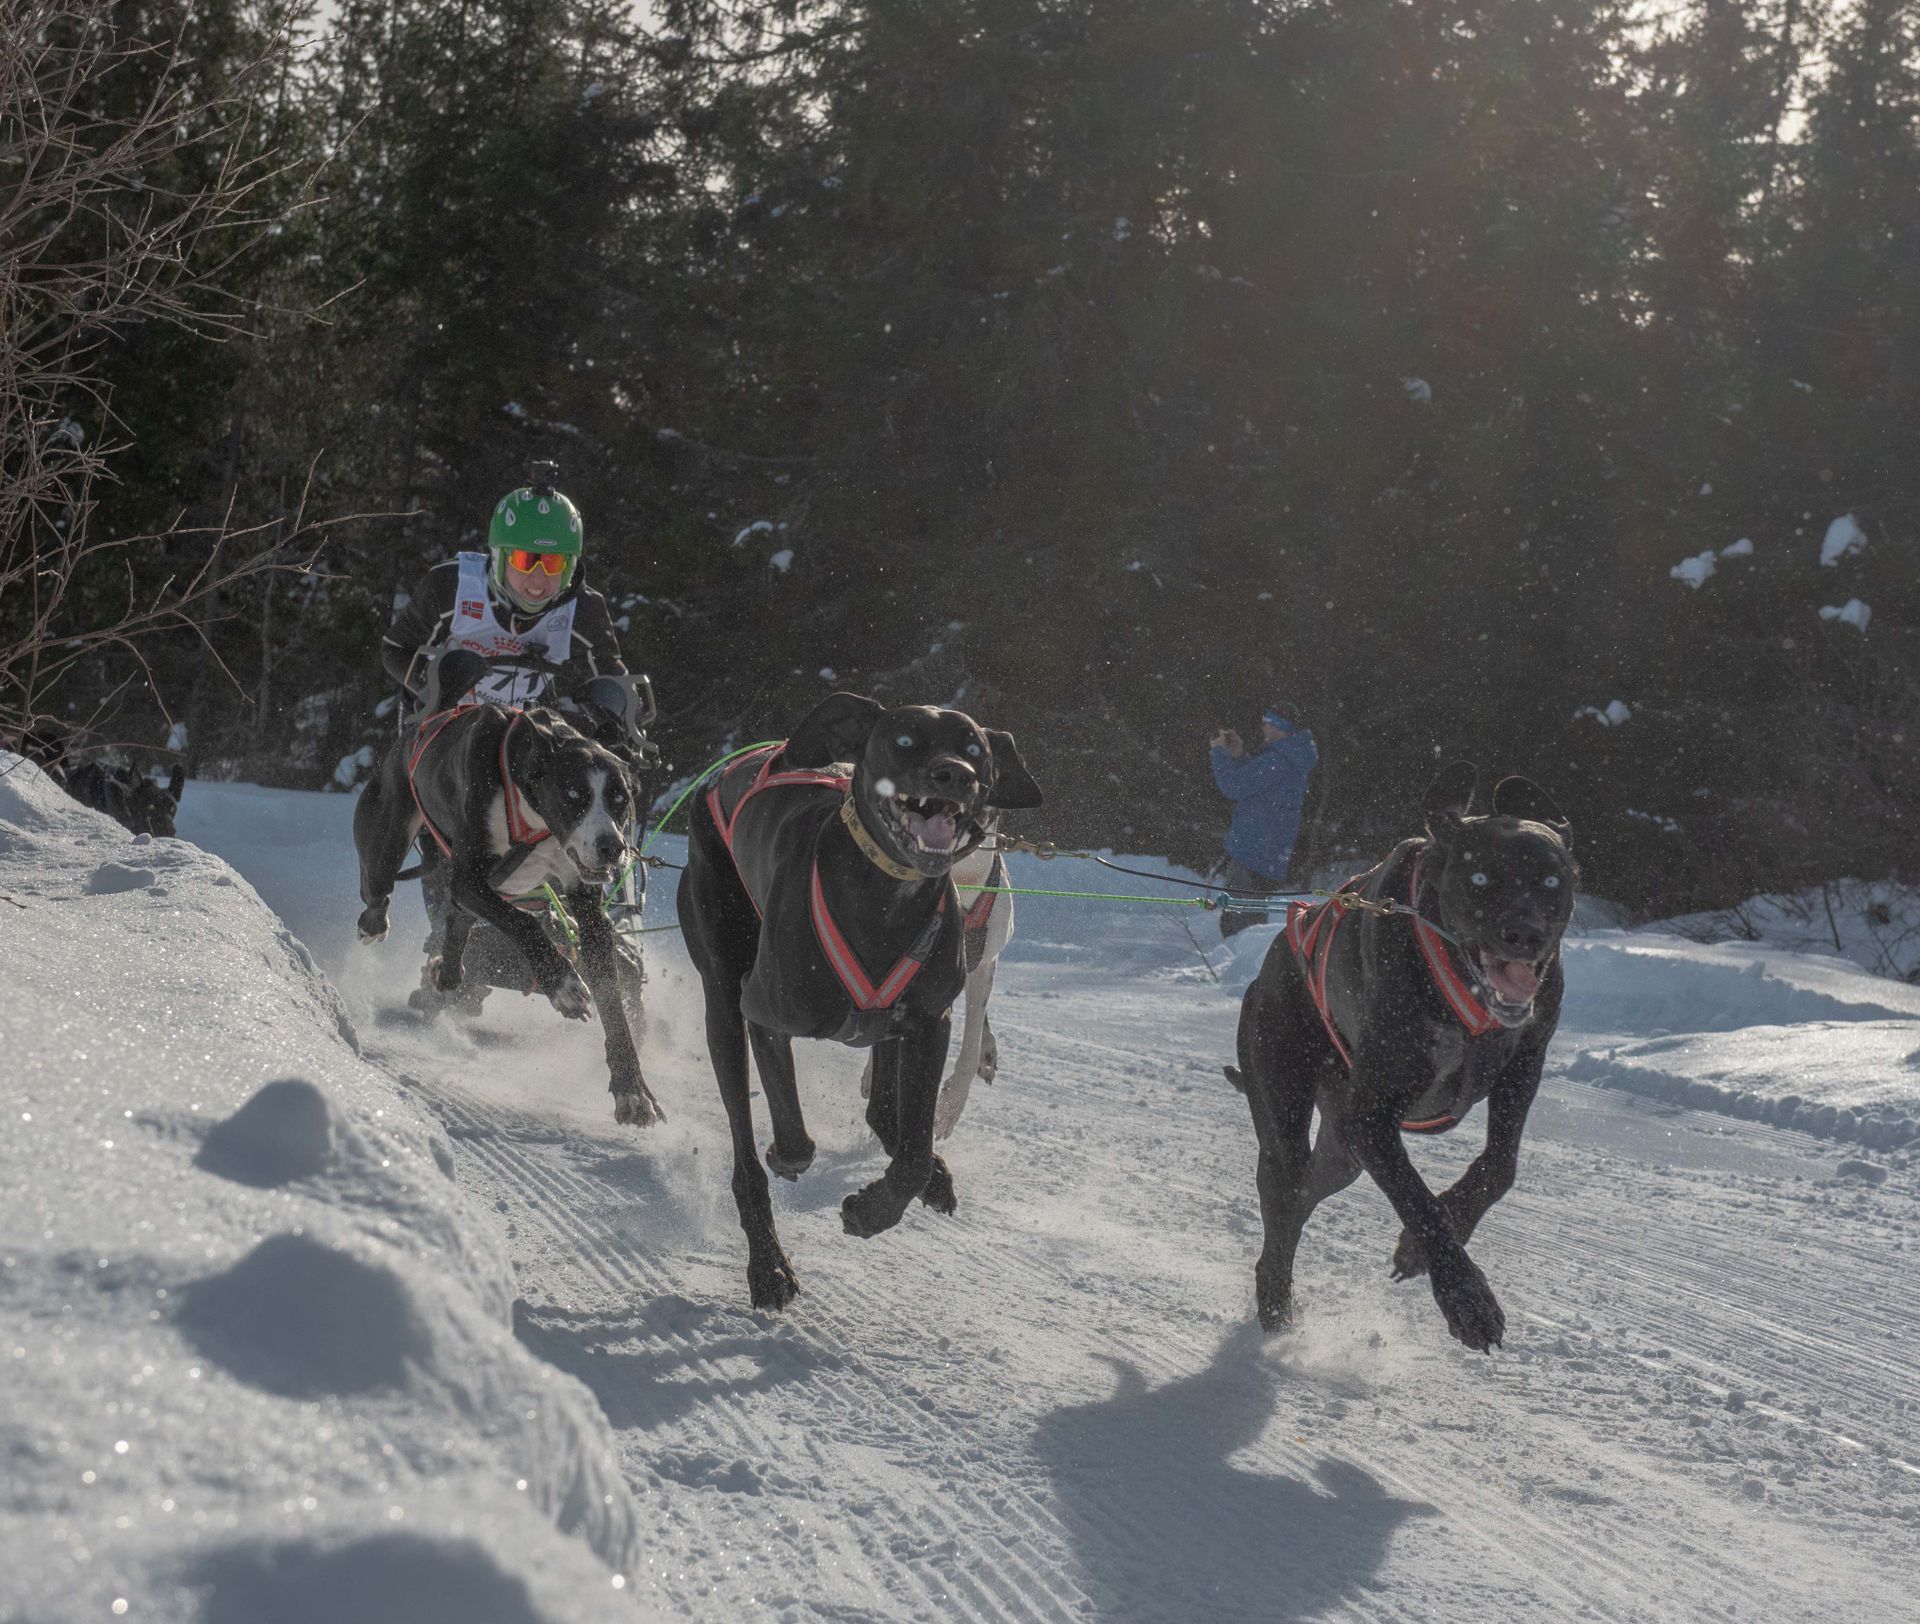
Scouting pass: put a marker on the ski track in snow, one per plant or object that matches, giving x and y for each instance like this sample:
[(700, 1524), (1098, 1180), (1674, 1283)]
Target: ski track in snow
[(1055, 1405)]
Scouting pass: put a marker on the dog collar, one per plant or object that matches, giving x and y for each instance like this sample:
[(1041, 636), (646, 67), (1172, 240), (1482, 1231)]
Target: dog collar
[(870, 848)]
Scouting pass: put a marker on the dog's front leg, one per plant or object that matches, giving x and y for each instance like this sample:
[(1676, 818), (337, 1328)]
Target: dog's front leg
[(633, 1102), (383, 829), (914, 1170), (1490, 1175), (792, 1150), (468, 888), (1368, 1122)]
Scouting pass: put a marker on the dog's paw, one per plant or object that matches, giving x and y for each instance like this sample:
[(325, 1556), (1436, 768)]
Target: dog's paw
[(1276, 1316), (989, 1058), (1409, 1257), (939, 1193), (1473, 1313), (568, 994), (771, 1281), (636, 1108), (953, 1100), (1273, 1299), (869, 1212), (448, 973), (373, 924), (790, 1164)]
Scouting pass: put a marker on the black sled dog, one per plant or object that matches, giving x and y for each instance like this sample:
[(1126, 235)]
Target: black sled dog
[(130, 798), (1401, 1021), (818, 903), (512, 800)]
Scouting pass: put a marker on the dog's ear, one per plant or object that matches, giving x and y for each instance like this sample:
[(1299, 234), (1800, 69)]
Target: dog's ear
[(836, 729), (176, 782), (1449, 798), (1518, 797), (1014, 789)]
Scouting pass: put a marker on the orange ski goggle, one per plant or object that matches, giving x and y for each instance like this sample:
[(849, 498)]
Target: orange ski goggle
[(526, 561)]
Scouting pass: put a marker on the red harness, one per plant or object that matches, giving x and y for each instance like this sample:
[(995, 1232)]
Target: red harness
[(865, 994), (1310, 933), (520, 828)]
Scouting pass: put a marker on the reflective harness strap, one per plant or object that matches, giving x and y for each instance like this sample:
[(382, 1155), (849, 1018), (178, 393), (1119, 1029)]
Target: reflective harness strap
[(1312, 944), (978, 914), (851, 974), (520, 828), (853, 977), (1467, 1009), (1310, 933), (764, 778)]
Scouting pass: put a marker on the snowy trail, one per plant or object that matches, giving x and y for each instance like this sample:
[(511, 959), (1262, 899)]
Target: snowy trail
[(1054, 1407)]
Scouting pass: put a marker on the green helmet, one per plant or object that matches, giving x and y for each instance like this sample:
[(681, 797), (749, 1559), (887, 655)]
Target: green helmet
[(540, 521)]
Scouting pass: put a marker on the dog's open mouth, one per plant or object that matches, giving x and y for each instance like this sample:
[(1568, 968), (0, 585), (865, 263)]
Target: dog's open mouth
[(1511, 983), (929, 824)]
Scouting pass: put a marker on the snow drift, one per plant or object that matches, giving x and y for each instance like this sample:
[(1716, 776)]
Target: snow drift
[(257, 1344)]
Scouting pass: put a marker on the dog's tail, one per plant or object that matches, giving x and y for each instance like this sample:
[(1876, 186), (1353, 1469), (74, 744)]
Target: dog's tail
[(1234, 1077)]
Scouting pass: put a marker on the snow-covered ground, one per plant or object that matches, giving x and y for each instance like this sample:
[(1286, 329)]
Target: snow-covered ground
[(1052, 1406)]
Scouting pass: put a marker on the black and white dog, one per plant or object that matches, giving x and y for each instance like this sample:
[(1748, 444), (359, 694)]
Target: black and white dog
[(1393, 1022), (513, 800), (818, 903)]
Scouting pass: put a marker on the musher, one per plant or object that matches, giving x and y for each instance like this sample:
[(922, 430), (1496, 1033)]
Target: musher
[(524, 597)]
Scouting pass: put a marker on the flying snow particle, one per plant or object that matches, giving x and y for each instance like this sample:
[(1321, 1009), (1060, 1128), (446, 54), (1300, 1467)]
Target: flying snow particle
[(758, 526), (828, 674), (1844, 536), (1695, 570), (1419, 391), (177, 736), (1743, 548), (782, 560), (1617, 711), (1853, 612), (348, 772)]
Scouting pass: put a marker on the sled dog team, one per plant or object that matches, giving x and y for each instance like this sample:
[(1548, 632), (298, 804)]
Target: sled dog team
[(819, 902)]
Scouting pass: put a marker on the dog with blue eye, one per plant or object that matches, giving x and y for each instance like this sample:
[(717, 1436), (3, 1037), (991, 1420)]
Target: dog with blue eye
[(1425, 986), (819, 902), (517, 806)]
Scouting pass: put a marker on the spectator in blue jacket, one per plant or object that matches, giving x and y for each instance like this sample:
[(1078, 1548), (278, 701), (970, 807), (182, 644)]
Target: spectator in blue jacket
[(1267, 786)]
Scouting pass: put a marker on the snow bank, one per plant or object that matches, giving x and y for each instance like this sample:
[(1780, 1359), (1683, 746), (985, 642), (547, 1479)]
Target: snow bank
[(258, 1348), (1874, 923), (1751, 1031)]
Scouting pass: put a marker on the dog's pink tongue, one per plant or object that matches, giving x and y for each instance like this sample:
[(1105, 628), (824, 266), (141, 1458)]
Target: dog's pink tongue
[(1513, 979), (935, 833)]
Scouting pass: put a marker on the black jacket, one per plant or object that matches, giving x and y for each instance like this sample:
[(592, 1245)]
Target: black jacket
[(423, 623)]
